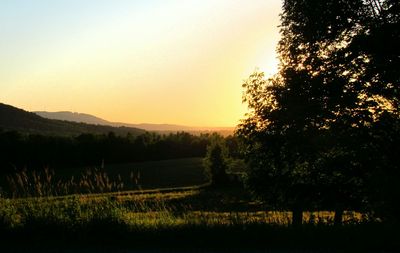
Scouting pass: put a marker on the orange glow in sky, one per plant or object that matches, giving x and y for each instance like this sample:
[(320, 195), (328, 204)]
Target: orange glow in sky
[(167, 61)]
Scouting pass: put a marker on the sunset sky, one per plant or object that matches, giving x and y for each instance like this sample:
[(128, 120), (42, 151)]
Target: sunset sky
[(167, 61)]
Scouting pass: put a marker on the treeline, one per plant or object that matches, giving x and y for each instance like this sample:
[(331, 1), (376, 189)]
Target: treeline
[(19, 150)]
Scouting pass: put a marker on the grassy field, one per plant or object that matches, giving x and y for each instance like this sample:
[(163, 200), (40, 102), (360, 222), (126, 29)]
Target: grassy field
[(161, 174), (109, 178), (197, 218), (185, 218)]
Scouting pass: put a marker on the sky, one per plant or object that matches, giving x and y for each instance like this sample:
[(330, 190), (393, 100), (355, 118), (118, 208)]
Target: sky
[(150, 61)]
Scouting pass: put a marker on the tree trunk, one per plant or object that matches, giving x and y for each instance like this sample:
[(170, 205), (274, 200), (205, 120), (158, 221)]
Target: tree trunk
[(338, 217), (297, 219)]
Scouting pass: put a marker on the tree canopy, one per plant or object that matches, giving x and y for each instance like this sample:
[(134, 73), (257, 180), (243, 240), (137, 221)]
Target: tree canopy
[(318, 131)]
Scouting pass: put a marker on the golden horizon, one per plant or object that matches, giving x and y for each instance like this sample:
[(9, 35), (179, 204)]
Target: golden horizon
[(163, 62)]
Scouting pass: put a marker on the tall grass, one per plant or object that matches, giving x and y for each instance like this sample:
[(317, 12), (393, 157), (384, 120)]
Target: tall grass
[(187, 216), (150, 210), (45, 183), (143, 212), (173, 217)]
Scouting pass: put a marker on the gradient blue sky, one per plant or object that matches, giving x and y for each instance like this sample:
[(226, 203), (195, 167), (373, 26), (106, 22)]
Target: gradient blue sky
[(170, 61)]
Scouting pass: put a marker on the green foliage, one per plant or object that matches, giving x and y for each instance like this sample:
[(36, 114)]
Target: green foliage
[(213, 207), (192, 218), (9, 216), (187, 218)]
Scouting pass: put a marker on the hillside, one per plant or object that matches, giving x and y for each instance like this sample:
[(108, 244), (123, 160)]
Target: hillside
[(163, 128), (15, 119), (75, 117)]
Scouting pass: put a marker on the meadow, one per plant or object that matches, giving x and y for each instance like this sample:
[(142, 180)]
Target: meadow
[(181, 216), (104, 178), (198, 217)]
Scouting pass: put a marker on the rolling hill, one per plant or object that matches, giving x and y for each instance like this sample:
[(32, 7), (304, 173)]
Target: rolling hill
[(163, 128), (74, 117), (15, 119)]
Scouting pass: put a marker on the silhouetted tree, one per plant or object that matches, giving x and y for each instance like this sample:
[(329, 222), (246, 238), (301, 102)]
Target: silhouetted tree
[(216, 162), (309, 130)]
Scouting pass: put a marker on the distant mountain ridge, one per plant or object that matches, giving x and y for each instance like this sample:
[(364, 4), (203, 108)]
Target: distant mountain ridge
[(15, 119), (90, 119), (73, 116)]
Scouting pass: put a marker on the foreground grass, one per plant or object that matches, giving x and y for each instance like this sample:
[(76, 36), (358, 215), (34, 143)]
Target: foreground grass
[(193, 206), (149, 175), (198, 218)]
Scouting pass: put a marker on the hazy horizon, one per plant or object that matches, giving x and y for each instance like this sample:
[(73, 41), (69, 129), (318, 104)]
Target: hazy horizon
[(40, 113), (160, 62)]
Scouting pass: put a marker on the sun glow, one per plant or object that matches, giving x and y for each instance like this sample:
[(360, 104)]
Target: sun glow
[(179, 62)]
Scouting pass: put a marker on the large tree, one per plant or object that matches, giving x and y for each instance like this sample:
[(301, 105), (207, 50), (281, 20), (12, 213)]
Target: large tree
[(312, 128)]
